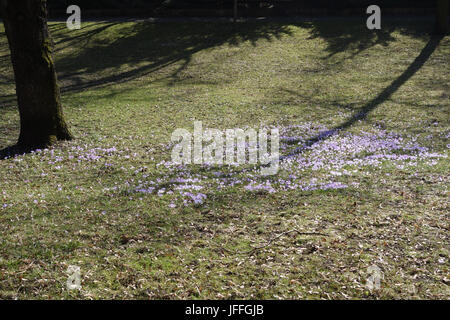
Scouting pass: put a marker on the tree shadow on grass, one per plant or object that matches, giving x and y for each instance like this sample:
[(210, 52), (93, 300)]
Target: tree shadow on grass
[(13, 151), (103, 55), (135, 50), (356, 38), (83, 37), (362, 114), (147, 47), (152, 47)]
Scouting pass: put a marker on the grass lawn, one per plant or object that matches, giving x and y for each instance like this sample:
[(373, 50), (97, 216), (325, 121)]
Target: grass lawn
[(364, 116)]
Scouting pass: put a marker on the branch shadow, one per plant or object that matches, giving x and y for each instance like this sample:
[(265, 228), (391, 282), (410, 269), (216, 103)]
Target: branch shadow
[(144, 48), (151, 47), (362, 114), (355, 38)]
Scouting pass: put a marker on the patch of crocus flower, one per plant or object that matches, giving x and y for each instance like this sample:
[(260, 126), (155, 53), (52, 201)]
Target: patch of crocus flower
[(314, 157)]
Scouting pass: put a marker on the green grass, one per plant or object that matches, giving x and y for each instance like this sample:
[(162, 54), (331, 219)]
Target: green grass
[(130, 85)]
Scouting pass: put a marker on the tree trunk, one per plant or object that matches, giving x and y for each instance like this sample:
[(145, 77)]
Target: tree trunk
[(41, 118), (442, 17)]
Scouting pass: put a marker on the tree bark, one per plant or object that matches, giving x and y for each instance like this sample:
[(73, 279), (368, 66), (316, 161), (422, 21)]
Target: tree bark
[(41, 117), (442, 17)]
